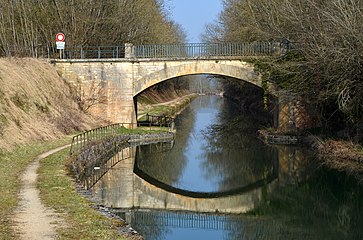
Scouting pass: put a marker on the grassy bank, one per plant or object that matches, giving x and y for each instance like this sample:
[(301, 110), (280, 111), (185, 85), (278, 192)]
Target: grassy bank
[(58, 191), (12, 164), (169, 109)]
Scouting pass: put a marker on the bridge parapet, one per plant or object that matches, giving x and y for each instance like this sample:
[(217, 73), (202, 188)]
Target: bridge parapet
[(206, 50), (175, 51)]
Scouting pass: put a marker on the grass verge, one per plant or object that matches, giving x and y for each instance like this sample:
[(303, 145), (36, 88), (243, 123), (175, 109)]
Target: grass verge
[(167, 109), (12, 164), (58, 191)]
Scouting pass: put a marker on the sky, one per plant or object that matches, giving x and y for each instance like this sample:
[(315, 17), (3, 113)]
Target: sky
[(193, 15)]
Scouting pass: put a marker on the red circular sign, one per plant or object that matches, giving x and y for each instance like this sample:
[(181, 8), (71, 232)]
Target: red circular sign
[(60, 37)]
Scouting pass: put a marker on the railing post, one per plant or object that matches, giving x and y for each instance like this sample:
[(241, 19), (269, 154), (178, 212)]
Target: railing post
[(82, 53)]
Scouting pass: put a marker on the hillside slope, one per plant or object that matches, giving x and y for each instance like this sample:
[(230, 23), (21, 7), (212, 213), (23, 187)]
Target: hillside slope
[(36, 104)]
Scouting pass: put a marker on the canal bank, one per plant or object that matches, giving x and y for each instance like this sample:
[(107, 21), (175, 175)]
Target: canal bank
[(167, 109), (339, 155), (335, 154)]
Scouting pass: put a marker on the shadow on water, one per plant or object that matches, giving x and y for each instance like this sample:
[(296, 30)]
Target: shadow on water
[(217, 152)]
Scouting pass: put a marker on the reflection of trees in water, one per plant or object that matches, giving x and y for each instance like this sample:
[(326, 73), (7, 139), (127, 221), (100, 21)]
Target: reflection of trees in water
[(231, 149), (234, 151), (296, 164), (168, 166), (327, 206)]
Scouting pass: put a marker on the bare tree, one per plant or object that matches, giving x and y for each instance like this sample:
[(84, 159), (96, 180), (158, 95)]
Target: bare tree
[(89, 94), (327, 67)]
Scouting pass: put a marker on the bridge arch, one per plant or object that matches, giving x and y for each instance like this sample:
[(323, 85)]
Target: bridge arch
[(234, 68), (120, 80)]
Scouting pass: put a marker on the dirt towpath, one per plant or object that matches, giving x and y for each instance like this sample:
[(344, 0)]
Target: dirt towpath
[(32, 219)]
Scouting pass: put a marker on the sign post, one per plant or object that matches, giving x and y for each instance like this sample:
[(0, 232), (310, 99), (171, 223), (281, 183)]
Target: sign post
[(60, 43)]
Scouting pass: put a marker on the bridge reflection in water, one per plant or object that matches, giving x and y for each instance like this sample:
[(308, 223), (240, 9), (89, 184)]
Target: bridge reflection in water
[(182, 220), (121, 188), (217, 226), (152, 210)]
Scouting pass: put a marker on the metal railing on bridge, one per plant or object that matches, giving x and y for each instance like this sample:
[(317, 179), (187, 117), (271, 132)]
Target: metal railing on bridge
[(175, 51), (205, 50), (94, 52), (187, 50)]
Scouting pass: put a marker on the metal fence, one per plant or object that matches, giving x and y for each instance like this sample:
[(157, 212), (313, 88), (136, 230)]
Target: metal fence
[(174, 51), (200, 50), (188, 50), (30, 51), (94, 52), (81, 140)]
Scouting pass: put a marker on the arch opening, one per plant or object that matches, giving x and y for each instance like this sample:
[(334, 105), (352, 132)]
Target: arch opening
[(249, 96), (234, 69)]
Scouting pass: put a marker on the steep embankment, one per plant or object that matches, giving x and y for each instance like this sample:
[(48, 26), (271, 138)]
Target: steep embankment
[(36, 104)]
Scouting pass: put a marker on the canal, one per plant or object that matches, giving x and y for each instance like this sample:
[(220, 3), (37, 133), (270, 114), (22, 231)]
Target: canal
[(218, 180)]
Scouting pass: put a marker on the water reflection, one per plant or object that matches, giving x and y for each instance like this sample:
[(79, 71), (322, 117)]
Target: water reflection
[(269, 175), (122, 189), (326, 206), (203, 159), (298, 202), (183, 225), (201, 171)]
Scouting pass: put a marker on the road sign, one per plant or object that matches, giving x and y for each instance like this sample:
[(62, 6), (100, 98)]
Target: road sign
[(61, 45), (60, 37)]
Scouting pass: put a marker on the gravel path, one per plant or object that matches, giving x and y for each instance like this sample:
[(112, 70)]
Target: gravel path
[(34, 220)]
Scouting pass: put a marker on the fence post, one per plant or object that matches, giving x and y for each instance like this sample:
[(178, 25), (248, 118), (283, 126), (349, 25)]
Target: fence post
[(82, 53)]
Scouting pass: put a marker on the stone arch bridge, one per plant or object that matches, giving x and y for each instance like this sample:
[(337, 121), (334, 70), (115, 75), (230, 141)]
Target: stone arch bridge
[(111, 79)]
